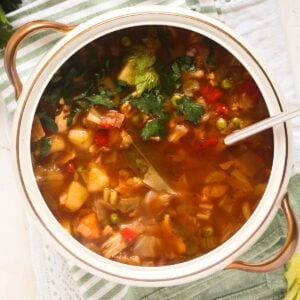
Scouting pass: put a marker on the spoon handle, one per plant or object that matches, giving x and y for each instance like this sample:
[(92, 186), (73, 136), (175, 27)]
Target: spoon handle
[(261, 126)]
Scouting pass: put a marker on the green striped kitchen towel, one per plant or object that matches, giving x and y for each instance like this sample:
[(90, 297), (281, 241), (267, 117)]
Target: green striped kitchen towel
[(56, 278)]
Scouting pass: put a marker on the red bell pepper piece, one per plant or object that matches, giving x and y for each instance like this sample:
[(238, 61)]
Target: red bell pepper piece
[(211, 93), (129, 235), (222, 109), (101, 138), (206, 143), (70, 168)]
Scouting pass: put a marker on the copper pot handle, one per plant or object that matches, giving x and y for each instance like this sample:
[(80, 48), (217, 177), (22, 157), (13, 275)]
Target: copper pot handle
[(17, 38), (285, 252)]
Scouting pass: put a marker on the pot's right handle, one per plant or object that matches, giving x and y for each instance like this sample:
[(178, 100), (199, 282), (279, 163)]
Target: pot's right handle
[(285, 252), (17, 38)]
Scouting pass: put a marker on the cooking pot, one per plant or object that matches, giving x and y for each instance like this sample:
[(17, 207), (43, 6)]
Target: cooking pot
[(225, 255)]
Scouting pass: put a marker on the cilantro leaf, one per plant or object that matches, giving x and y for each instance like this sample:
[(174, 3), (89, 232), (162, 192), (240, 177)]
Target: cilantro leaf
[(104, 97), (48, 122), (152, 128), (74, 110), (211, 60), (138, 70), (44, 146), (151, 103), (171, 76), (191, 109), (146, 81)]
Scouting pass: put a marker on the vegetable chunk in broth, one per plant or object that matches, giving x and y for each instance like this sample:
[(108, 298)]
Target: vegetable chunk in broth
[(127, 146)]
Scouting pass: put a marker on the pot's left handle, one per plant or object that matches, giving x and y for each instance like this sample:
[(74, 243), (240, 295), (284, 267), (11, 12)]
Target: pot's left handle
[(17, 38)]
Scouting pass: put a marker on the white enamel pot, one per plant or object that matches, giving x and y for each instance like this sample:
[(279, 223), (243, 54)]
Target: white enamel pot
[(225, 255)]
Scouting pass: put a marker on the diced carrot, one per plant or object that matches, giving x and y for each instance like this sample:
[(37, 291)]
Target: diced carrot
[(88, 226), (211, 93)]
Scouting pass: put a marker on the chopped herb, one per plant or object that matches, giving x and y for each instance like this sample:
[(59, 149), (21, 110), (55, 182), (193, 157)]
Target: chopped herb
[(44, 146), (183, 64), (152, 128), (146, 81), (74, 110), (139, 70), (53, 95), (211, 60), (151, 103), (103, 98), (122, 86), (48, 121), (171, 76), (191, 109)]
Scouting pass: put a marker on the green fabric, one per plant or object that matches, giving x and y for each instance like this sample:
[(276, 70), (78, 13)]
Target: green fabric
[(229, 284)]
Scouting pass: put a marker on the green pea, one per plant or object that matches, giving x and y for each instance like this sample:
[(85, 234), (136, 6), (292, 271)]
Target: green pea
[(207, 231), (221, 123), (125, 41), (226, 84), (175, 98), (236, 122), (114, 218)]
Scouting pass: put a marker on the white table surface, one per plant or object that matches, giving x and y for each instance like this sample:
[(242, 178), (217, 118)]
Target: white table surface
[(17, 280)]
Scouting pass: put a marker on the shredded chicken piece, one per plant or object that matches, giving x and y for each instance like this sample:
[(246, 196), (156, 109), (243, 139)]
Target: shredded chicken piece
[(107, 231), (61, 119), (37, 132), (177, 133), (126, 109), (129, 186), (126, 140), (131, 260), (113, 246)]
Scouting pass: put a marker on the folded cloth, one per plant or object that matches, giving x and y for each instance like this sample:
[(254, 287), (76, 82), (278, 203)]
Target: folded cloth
[(56, 278)]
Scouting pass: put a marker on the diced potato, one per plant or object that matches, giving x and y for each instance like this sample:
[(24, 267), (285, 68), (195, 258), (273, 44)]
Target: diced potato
[(76, 196), (88, 226), (55, 179), (57, 143), (82, 138), (97, 179), (37, 132), (127, 73)]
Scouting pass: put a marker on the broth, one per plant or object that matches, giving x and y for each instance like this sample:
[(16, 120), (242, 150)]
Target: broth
[(157, 99)]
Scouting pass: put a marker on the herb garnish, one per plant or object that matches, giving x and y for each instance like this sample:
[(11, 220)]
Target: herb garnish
[(191, 109), (48, 121), (151, 103), (153, 128), (44, 146)]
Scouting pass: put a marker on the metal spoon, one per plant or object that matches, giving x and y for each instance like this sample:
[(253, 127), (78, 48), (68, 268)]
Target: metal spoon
[(246, 132)]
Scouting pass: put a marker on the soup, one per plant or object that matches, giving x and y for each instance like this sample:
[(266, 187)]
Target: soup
[(128, 152)]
